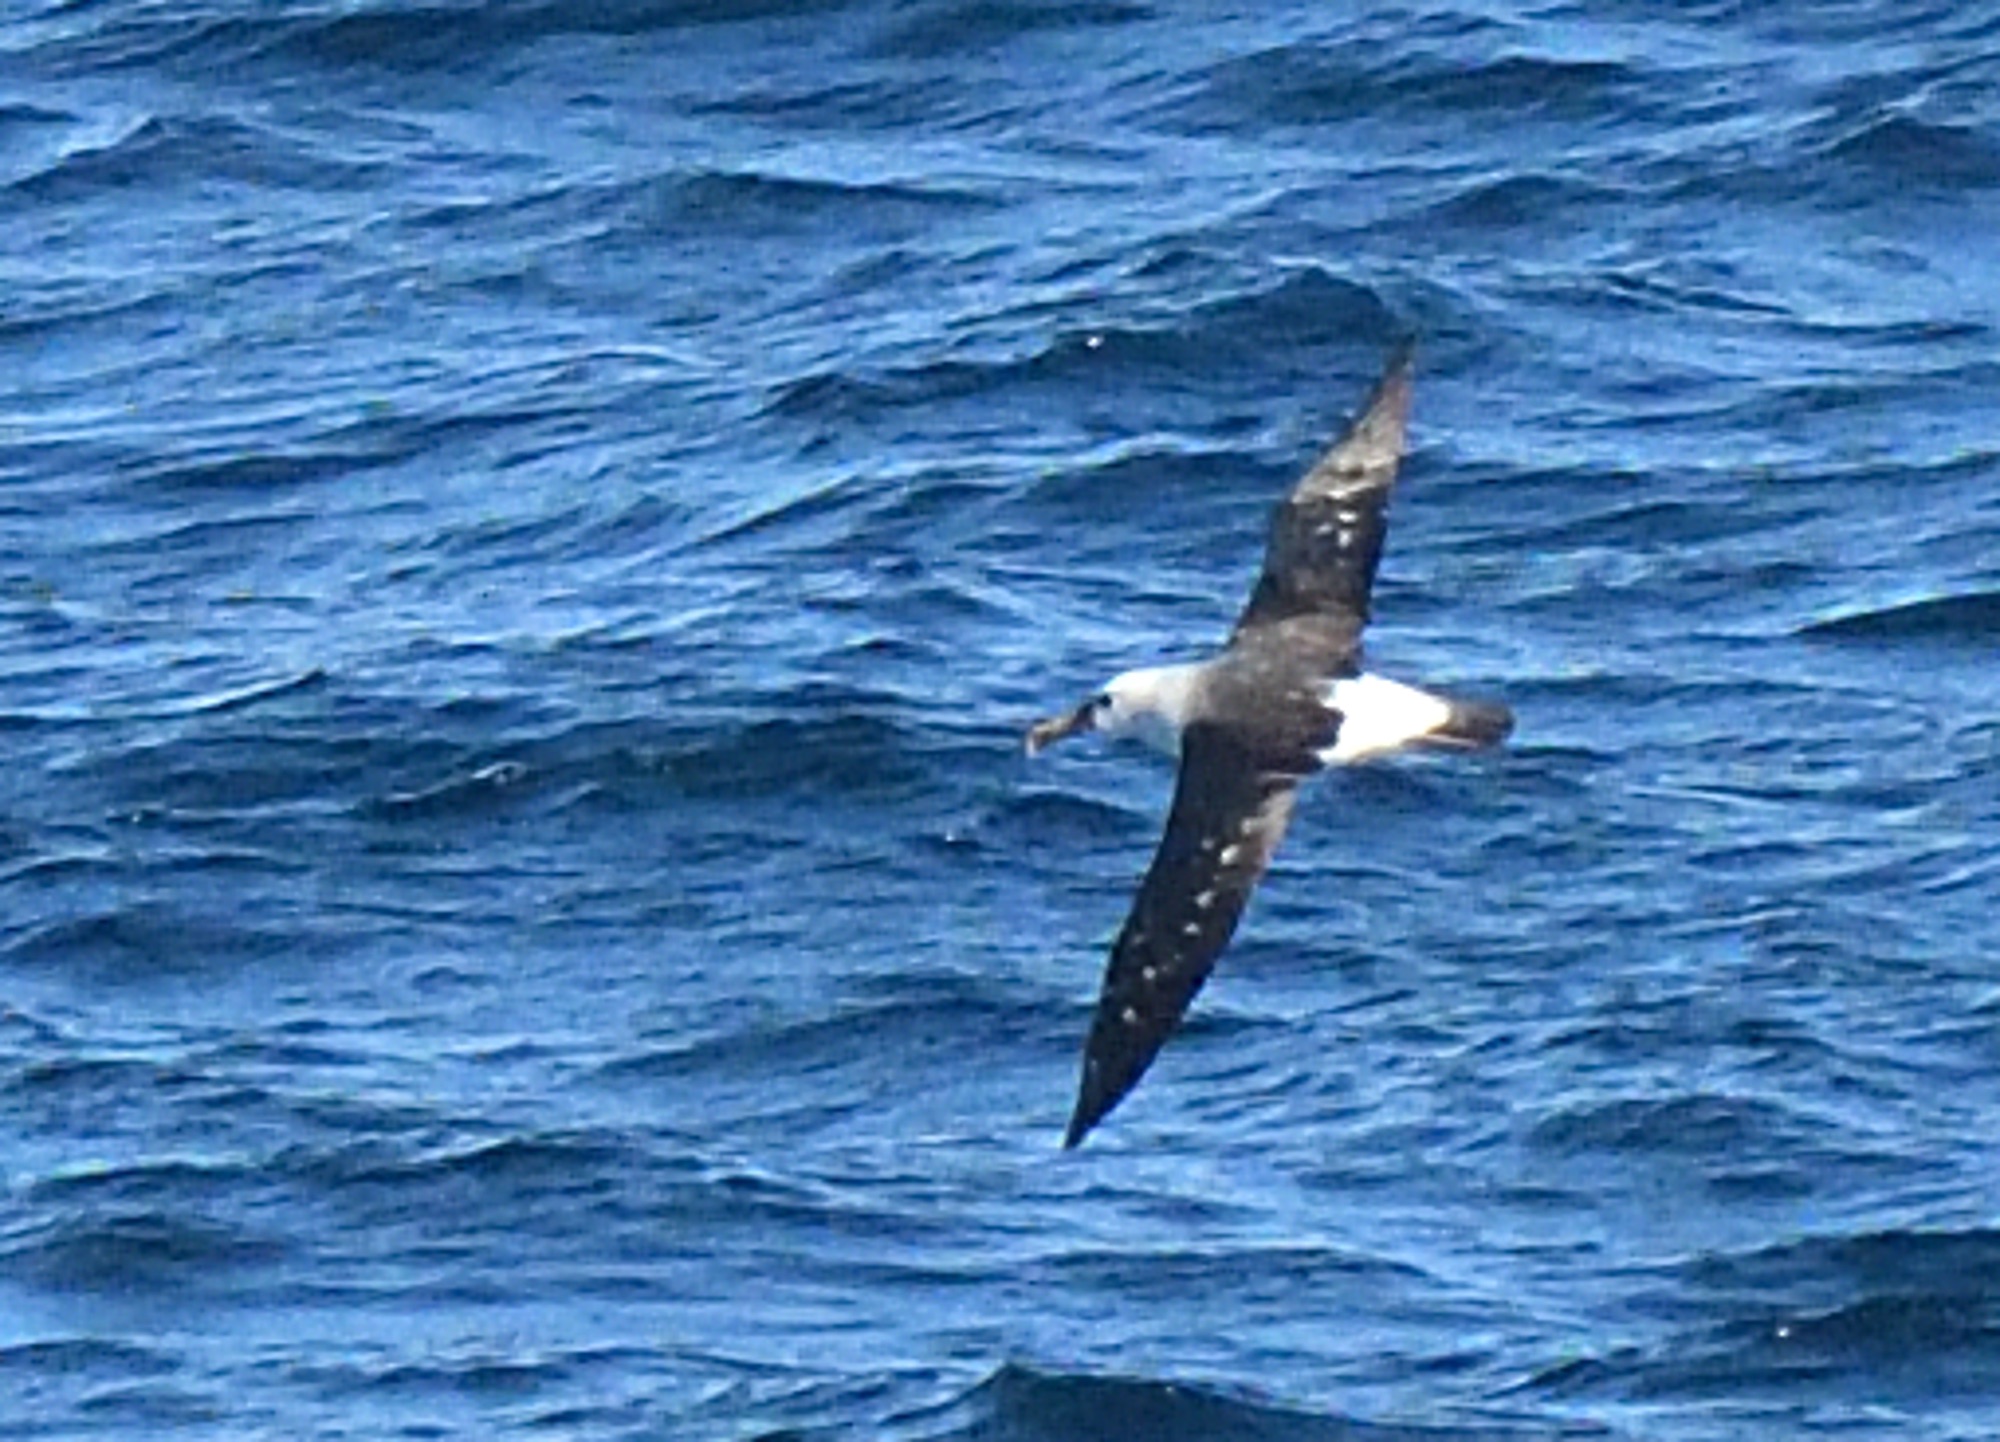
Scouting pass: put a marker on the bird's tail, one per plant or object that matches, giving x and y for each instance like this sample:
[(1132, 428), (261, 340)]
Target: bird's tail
[(1471, 723)]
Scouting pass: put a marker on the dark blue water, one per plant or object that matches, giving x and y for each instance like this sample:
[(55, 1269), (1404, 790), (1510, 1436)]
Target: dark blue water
[(529, 533)]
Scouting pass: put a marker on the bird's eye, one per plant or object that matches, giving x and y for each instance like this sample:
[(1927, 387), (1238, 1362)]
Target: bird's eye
[(1102, 703)]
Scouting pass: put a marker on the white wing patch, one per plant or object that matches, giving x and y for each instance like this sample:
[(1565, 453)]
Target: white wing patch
[(1378, 716)]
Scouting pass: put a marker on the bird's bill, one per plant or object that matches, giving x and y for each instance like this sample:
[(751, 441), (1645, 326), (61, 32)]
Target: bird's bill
[(1046, 733)]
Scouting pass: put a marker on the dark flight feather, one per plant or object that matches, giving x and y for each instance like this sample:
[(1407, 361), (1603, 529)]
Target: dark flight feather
[(1228, 816), (1326, 537)]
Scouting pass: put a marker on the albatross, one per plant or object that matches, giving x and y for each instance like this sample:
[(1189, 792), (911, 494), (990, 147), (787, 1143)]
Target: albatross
[(1286, 697)]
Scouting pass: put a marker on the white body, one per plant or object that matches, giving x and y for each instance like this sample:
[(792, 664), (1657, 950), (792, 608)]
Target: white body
[(1379, 716)]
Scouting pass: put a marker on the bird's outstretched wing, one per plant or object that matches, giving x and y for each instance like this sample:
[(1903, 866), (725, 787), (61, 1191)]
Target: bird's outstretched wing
[(1326, 537), (1228, 816)]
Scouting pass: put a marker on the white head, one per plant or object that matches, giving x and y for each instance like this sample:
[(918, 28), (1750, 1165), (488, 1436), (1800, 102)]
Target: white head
[(1151, 704)]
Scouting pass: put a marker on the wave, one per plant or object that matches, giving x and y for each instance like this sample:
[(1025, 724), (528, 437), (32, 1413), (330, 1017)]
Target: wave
[(510, 1166), (140, 942), (472, 1373), (20, 113), (1024, 1403), (252, 461), (918, 1016), (976, 27), (1517, 202), (809, 102), (1851, 158), (237, 773), (1824, 1315), (70, 1355), (1718, 1127), (135, 1250), (839, 752), (1031, 819), (388, 36), (754, 202), (161, 153), (1925, 155), (1370, 77), (1306, 308), (1969, 619)]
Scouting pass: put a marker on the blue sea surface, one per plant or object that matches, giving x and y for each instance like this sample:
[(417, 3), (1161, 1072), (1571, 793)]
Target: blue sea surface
[(530, 533)]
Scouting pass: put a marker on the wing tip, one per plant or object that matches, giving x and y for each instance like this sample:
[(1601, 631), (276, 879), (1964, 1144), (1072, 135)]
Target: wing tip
[(1368, 453), (1090, 1110), (1392, 391)]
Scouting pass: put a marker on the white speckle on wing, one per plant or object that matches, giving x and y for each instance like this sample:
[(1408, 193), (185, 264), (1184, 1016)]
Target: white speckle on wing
[(1203, 900), (1229, 854), (1130, 1016)]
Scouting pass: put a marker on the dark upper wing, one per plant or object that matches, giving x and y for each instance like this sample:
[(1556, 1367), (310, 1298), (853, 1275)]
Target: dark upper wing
[(1227, 818), (1326, 537)]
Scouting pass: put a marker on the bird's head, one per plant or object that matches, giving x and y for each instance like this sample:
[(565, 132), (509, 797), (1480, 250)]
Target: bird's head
[(1150, 704)]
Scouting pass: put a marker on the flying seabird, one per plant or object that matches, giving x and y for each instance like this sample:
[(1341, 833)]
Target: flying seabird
[(1286, 697)]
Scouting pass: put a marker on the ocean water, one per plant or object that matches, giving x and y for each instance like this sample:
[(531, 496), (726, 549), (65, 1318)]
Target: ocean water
[(530, 533)]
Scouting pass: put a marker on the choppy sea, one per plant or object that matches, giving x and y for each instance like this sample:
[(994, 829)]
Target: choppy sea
[(530, 531)]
